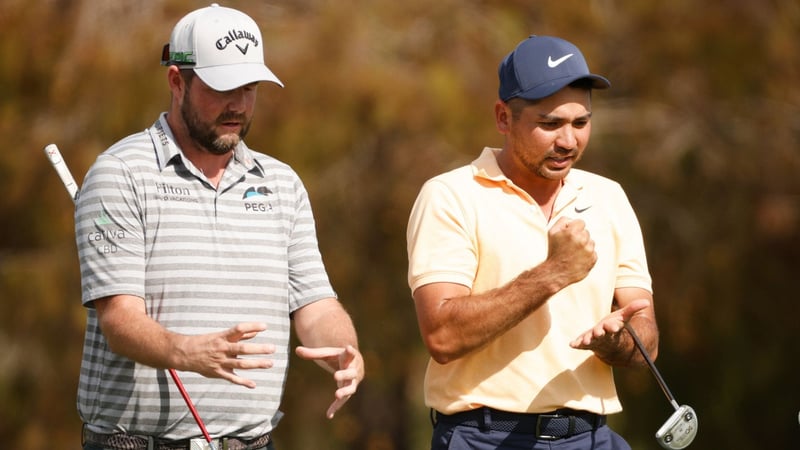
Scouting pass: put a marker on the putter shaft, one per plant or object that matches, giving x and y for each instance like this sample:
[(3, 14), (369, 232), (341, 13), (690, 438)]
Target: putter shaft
[(652, 366)]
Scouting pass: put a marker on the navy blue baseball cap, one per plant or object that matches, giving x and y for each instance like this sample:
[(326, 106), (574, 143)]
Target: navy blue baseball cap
[(540, 66)]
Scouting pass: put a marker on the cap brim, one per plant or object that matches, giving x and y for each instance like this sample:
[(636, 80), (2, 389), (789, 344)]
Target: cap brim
[(551, 87), (232, 76)]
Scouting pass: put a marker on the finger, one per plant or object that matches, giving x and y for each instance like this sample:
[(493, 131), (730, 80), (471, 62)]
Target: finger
[(577, 224), (236, 379), (342, 396), (633, 307), (561, 223), (582, 342), (318, 352), (347, 357), (252, 349), (576, 227), (244, 331), (248, 336), (614, 326), (335, 406), (249, 363)]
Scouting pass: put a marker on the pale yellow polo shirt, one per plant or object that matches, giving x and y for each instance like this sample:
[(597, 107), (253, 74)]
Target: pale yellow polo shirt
[(474, 227)]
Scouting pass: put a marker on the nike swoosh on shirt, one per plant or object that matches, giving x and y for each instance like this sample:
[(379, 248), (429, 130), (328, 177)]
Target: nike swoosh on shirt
[(553, 64), (580, 210)]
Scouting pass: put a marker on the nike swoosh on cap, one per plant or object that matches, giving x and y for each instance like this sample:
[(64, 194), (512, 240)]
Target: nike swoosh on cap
[(553, 64)]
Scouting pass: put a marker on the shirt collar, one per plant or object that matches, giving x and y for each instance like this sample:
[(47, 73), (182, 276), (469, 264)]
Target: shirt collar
[(486, 167)]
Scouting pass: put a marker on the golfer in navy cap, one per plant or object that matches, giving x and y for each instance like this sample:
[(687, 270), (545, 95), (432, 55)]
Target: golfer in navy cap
[(524, 271)]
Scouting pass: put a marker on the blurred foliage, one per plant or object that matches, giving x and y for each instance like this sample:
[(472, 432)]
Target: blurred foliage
[(701, 127)]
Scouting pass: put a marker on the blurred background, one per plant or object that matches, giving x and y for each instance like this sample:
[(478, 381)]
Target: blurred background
[(701, 127)]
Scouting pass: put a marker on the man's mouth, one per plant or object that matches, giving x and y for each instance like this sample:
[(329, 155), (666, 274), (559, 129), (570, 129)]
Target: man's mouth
[(231, 126), (560, 161), (231, 121)]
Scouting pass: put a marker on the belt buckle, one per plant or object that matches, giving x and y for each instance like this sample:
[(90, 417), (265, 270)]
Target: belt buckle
[(547, 437), (202, 444)]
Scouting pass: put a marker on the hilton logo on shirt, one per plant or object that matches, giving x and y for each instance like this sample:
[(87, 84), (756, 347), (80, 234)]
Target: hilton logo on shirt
[(174, 193)]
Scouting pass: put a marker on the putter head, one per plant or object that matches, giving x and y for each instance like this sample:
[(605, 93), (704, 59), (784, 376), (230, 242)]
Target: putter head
[(679, 430)]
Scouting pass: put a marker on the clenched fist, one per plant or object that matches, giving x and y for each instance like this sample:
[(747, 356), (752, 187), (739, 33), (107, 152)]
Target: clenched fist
[(570, 250)]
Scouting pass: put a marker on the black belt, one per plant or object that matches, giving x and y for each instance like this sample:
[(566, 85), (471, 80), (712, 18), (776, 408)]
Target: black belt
[(559, 424), (122, 441)]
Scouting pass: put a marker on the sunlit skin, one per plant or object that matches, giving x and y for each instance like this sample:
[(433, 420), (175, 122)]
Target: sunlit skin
[(224, 133), (544, 141), (208, 124)]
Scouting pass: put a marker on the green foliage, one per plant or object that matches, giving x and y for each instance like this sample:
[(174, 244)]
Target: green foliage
[(700, 127)]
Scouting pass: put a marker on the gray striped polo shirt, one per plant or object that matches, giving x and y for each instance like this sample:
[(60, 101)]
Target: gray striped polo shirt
[(149, 224)]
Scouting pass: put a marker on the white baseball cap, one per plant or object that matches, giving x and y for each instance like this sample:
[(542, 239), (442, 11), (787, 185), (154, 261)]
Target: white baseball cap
[(222, 45)]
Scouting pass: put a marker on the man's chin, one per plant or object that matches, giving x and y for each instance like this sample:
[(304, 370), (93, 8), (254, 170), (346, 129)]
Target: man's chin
[(555, 174), (225, 143)]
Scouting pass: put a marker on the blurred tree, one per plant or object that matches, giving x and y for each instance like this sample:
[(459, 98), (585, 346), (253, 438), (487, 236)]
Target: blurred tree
[(700, 127)]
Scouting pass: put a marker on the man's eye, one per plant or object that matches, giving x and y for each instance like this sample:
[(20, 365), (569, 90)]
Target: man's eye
[(549, 125)]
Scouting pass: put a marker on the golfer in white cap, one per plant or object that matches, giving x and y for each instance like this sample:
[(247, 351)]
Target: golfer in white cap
[(199, 254)]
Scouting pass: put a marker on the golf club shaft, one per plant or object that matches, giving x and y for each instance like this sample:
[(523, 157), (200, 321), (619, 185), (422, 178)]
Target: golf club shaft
[(54, 155), (189, 403), (652, 366)]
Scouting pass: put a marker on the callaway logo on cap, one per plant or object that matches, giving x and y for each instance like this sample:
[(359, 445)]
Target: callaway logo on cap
[(222, 45), (540, 66)]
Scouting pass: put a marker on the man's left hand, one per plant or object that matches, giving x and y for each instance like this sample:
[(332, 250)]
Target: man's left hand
[(603, 337), (347, 365)]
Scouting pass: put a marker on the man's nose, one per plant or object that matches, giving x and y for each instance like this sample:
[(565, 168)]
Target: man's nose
[(237, 99), (566, 137)]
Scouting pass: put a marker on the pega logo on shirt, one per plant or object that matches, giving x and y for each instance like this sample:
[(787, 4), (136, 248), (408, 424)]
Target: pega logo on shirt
[(257, 199), (256, 192)]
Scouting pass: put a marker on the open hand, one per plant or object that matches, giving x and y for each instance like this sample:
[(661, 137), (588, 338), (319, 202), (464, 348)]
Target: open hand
[(347, 365), (602, 337)]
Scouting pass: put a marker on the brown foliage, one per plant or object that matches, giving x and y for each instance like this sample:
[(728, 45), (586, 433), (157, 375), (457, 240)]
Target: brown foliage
[(701, 128)]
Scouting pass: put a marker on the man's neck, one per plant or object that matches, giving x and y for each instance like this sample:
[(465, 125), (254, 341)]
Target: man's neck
[(210, 164), (542, 190)]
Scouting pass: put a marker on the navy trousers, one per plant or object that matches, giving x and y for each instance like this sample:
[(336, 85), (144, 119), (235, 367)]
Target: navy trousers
[(461, 437)]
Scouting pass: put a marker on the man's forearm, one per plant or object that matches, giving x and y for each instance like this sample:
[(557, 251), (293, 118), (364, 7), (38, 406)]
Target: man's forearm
[(132, 334), (455, 325), (325, 324)]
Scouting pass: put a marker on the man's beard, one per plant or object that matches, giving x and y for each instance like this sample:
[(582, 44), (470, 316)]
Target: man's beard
[(203, 133)]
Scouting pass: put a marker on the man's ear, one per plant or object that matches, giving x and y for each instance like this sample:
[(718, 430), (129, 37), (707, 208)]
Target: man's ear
[(502, 116), (175, 81)]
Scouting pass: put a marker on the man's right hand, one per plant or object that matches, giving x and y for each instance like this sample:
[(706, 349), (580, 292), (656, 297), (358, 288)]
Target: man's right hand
[(130, 332), (217, 355), (455, 321), (570, 250)]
